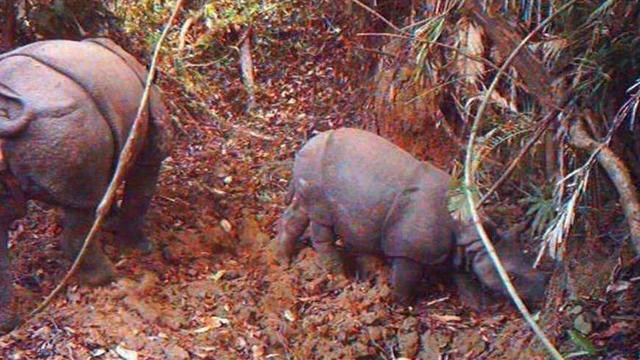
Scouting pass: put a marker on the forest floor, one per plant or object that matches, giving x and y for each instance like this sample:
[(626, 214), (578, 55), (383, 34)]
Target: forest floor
[(210, 289)]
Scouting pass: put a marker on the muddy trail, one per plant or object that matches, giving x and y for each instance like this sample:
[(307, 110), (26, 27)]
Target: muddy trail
[(210, 289)]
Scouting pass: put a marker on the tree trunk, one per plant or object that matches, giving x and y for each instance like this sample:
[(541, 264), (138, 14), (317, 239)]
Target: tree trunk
[(9, 28)]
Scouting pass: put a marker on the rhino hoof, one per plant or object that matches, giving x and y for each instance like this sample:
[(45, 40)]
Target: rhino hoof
[(332, 263), (143, 245), (279, 255)]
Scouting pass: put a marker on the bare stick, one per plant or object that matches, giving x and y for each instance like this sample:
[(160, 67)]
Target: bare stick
[(437, 43), (125, 158), (247, 71), (618, 173), (468, 181), (541, 129), (378, 15)]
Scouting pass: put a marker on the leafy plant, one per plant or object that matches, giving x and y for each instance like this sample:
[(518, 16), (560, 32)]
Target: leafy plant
[(541, 207), (458, 205)]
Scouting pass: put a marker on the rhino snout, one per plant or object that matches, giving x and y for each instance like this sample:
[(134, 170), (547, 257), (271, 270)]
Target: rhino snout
[(529, 282), (531, 286)]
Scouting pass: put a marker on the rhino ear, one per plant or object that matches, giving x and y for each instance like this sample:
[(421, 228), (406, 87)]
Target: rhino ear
[(513, 234), (492, 230), (467, 233)]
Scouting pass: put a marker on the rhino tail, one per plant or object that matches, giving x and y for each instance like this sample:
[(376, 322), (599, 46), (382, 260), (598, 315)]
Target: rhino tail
[(13, 127)]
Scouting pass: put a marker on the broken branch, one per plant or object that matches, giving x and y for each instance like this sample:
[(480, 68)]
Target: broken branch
[(618, 173)]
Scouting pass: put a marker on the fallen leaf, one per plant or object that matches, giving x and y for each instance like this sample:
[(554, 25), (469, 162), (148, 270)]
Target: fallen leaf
[(217, 322), (98, 352), (618, 286), (615, 329), (126, 354), (446, 318), (218, 275), (581, 324), (226, 225), (202, 330), (582, 341), (289, 315)]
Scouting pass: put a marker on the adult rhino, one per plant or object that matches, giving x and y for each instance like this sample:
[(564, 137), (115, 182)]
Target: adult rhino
[(66, 108), (381, 201)]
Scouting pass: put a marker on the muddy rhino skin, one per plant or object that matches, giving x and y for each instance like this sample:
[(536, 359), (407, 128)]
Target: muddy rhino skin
[(381, 201), (66, 108)]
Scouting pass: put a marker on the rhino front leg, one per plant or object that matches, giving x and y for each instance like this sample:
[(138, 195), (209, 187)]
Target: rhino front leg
[(366, 266), (293, 223), (8, 318), (323, 240), (95, 268), (405, 278), (470, 292), (139, 189)]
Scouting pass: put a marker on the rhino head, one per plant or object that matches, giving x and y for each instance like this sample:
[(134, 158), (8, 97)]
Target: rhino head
[(529, 282)]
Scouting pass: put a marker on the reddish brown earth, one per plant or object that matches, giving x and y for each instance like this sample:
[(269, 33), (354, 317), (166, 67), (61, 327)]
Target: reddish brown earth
[(210, 290)]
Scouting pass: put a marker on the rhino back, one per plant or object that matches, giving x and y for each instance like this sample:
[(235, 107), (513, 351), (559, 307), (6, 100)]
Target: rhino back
[(160, 136), (353, 178), (50, 159), (107, 79)]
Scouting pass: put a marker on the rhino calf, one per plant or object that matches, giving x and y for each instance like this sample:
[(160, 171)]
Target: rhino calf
[(381, 201), (66, 108)]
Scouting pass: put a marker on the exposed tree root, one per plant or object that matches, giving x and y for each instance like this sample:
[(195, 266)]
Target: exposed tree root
[(618, 173)]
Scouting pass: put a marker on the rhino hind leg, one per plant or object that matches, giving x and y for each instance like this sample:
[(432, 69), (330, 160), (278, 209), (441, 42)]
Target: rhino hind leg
[(405, 278), (95, 268), (12, 207), (291, 227), (323, 239), (139, 189)]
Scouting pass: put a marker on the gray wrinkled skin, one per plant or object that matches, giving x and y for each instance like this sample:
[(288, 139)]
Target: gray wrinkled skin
[(529, 282), (381, 201), (66, 108)]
